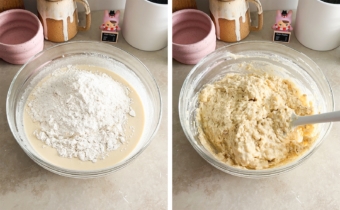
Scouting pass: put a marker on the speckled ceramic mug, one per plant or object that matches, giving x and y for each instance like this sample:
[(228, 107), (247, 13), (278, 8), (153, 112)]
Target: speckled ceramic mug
[(232, 18), (21, 36), (60, 18)]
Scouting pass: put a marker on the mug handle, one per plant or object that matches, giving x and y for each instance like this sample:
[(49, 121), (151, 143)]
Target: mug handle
[(259, 17), (88, 16)]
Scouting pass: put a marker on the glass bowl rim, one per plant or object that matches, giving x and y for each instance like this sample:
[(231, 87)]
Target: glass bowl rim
[(247, 173)]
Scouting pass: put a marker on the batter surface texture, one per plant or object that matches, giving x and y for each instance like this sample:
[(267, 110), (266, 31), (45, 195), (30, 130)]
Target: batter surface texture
[(245, 120)]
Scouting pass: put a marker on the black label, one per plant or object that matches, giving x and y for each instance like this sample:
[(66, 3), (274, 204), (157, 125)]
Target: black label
[(109, 37), (281, 37)]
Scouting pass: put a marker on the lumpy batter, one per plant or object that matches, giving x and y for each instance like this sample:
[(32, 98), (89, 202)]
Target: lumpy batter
[(133, 130), (245, 120)]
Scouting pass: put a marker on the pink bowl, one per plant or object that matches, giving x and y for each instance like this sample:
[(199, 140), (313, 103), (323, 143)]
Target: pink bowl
[(193, 36), (21, 36)]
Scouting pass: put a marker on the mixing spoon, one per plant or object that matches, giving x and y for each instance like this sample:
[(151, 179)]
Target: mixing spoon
[(313, 119)]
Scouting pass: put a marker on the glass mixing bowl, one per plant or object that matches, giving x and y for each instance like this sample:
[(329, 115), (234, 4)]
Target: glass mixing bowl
[(84, 53), (294, 65)]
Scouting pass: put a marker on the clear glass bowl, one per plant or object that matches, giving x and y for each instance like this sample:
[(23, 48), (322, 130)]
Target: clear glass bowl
[(301, 69), (91, 53)]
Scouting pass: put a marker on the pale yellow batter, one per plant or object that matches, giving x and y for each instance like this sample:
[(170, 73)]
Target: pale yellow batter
[(133, 130), (245, 120)]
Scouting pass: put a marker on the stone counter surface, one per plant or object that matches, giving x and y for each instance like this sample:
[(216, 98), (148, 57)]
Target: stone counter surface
[(313, 185), (140, 185)]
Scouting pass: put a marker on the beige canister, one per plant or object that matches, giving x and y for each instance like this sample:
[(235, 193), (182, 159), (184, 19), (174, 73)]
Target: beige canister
[(60, 18)]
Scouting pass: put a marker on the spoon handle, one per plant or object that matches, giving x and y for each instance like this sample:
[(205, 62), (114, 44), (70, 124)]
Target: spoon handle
[(318, 118)]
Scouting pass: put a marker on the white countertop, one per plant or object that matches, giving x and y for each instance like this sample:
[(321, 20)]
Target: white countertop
[(313, 185), (140, 185)]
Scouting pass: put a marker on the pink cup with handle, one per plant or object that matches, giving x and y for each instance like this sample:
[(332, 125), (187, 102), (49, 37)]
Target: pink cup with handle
[(21, 36)]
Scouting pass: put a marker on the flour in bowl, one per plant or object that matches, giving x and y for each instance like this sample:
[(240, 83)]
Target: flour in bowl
[(82, 114)]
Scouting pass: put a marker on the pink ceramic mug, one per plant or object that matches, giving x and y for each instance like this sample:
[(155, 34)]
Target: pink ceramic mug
[(21, 36), (193, 36)]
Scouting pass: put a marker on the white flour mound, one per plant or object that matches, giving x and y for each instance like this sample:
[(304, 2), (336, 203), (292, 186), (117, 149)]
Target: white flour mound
[(81, 114)]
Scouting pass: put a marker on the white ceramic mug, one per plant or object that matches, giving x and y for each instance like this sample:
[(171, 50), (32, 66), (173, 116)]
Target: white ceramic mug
[(145, 24), (317, 24)]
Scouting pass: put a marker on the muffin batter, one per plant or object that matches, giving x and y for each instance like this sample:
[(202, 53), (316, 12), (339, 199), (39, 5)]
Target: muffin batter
[(71, 149), (245, 120)]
